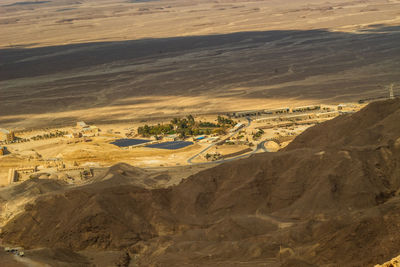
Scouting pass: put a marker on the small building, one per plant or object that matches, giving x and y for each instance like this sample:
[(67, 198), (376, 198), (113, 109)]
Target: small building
[(26, 170), (277, 111), (328, 108), (236, 127), (6, 135), (171, 137), (247, 113), (198, 138), (87, 130), (81, 124)]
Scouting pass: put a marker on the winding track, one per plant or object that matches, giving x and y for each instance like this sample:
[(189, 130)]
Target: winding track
[(260, 146)]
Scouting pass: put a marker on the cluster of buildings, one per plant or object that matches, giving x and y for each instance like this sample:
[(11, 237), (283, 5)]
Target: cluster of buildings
[(87, 130), (280, 111), (14, 175), (22, 174), (300, 117), (83, 130)]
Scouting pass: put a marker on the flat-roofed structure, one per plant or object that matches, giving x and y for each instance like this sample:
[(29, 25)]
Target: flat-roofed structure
[(87, 130), (27, 170), (247, 113), (6, 135), (329, 108), (171, 137), (250, 113), (277, 111), (198, 138), (81, 124), (236, 127)]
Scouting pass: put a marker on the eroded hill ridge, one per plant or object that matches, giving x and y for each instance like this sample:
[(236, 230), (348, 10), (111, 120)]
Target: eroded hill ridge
[(330, 197)]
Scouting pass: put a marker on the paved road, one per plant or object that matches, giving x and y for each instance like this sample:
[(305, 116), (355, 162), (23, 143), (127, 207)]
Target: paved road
[(213, 144), (260, 146)]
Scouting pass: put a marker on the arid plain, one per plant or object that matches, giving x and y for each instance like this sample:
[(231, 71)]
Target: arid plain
[(110, 61)]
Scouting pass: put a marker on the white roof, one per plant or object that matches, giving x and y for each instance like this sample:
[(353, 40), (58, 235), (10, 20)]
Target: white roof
[(4, 131)]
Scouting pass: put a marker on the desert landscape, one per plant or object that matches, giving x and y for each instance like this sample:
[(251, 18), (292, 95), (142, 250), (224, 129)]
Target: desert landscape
[(66, 61), (330, 198), (199, 133)]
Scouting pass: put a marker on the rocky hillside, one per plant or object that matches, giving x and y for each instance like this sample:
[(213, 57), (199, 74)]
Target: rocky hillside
[(331, 198), (395, 262)]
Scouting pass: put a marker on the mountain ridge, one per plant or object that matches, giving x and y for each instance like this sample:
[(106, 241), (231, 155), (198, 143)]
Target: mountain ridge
[(322, 201)]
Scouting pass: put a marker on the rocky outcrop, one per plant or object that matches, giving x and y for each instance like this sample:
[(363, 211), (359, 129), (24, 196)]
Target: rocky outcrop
[(331, 197)]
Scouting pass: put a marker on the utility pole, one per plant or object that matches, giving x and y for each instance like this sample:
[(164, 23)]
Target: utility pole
[(391, 93)]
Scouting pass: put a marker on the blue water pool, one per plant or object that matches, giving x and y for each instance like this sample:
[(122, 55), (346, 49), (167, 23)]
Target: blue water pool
[(129, 142), (171, 145)]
